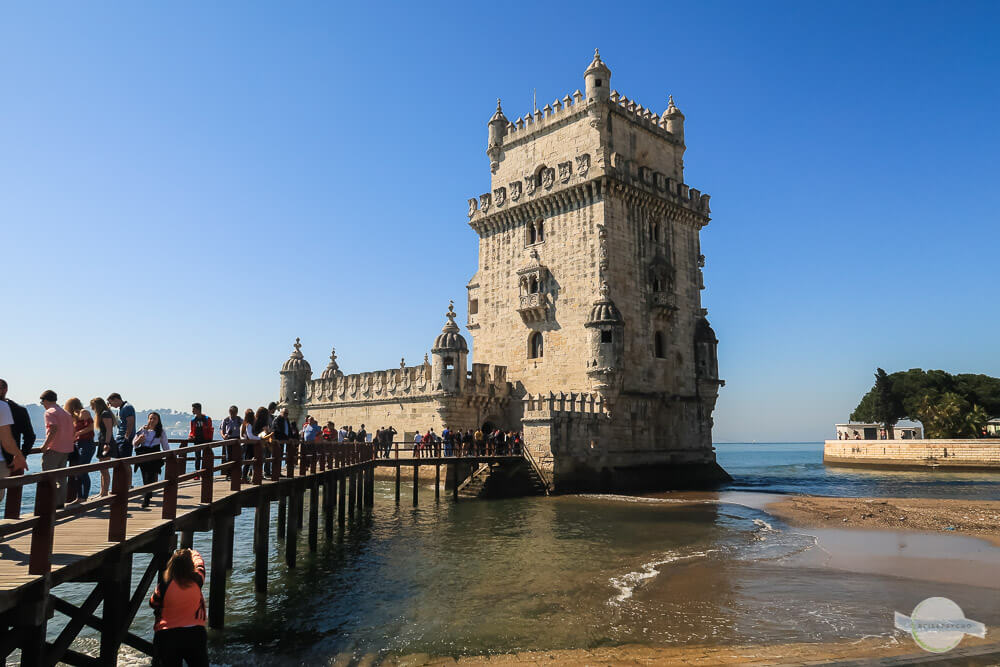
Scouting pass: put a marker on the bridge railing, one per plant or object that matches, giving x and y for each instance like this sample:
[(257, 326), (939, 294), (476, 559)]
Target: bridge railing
[(271, 460), (443, 450)]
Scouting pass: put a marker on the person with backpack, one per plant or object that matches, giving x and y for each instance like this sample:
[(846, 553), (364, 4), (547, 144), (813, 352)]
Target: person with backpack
[(21, 430), (179, 611)]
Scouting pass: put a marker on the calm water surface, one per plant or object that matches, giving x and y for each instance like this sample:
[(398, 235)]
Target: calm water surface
[(577, 572)]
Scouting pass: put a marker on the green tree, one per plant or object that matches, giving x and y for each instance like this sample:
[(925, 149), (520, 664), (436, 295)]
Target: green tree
[(886, 406), (975, 421)]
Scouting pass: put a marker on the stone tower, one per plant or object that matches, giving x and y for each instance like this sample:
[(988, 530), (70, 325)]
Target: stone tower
[(588, 288), (450, 353)]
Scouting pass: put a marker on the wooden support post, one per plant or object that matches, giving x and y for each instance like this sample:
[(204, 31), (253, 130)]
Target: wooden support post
[(262, 522), (416, 483), (398, 475), (43, 533), (282, 511), (31, 624), (220, 559), (352, 494), (341, 495), (313, 514), (301, 508), (437, 481), (292, 528), (207, 482), (329, 487), (236, 469), (170, 472), (231, 539), (119, 502), (116, 581), (371, 485), (187, 539), (454, 481), (361, 490)]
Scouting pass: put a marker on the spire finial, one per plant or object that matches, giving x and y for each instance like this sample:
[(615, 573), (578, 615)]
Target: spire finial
[(333, 356), (670, 100), (605, 290), (498, 104), (402, 362), (597, 54), (427, 361), (297, 353), (451, 311), (298, 344)]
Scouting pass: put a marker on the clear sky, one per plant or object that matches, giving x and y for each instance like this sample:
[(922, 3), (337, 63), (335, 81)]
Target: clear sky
[(187, 187)]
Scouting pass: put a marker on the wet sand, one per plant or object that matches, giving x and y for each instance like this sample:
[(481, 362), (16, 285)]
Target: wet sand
[(975, 518), (632, 654)]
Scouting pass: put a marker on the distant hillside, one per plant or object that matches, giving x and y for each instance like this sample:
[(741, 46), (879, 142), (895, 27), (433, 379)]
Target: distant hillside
[(177, 424)]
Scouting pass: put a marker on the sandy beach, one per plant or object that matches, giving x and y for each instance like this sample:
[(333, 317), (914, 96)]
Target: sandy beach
[(975, 518), (634, 654)]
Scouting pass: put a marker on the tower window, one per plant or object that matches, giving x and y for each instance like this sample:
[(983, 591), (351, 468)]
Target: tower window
[(535, 345), (597, 82), (533, 286), (473, 306), (532, 235), (658, 348), (449, 364), (606, 336), (541, 230)]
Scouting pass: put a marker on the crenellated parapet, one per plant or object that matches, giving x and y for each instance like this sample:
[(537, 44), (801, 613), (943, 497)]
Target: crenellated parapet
[(405, 382), (655, 183), (552, 405)]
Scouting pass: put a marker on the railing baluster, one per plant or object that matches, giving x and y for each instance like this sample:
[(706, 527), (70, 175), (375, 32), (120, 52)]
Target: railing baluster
[(292, 457), (207, 481), (13, 508), (235, 465), (43, 532), (120, 482), (258, 460), (170, 472)]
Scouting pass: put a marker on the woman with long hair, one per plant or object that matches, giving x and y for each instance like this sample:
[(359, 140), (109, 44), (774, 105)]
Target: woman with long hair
[(252, 448), (150, 438), (179, 608), (106, 446), (83, 449), (262, 429)]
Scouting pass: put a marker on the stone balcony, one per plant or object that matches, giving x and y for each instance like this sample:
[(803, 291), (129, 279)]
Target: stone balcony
[(663, 303), (534, 307)]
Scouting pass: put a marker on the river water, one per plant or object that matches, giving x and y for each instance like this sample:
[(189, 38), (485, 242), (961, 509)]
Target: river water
[(478, 577)]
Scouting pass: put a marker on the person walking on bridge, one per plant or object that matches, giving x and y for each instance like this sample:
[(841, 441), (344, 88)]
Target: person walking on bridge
[(151, 438), (13, 460), (20, 429), (179, 609), (106, 446), (58, 443), (84, 447), (201, 431)]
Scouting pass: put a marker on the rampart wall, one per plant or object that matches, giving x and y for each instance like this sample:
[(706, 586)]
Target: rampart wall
[(914, 453)]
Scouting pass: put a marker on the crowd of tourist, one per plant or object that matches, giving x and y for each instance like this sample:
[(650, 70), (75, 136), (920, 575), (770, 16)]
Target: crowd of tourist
[(75, 435)]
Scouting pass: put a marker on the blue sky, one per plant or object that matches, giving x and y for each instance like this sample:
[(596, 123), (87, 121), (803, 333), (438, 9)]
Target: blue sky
[(187, 187)]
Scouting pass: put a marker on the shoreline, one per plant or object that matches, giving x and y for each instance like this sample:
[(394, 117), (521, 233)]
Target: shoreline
[(972, 518), (897, 648)]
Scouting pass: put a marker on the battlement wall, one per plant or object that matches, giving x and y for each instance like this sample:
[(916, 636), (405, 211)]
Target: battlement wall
[(403, 382), (544, 406), (914, 453)]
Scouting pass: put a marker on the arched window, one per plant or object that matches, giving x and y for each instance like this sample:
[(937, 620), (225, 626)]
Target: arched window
[(659, 350), (532, 237), (535, 345), (533, 286), (655, 231), (541, 230), (657, 284)]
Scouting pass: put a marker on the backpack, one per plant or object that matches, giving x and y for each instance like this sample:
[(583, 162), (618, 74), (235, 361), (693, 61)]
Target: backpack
[(21, 429)]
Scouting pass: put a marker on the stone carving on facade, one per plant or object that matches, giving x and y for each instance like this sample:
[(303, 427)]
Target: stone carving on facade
[(500, 196), (473, 206), (515, 190), (484, 202), (548, 177), (530, 184), (565, 171), (602, 240), (533, 298), (582, 164)]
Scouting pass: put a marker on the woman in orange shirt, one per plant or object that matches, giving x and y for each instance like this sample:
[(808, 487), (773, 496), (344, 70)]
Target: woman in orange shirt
[(179, 608)]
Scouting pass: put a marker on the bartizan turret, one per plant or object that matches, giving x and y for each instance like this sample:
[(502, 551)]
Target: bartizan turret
[(673, 120), (607, 346), (450, 354), (295, 373), (598, 79), (494, 143)]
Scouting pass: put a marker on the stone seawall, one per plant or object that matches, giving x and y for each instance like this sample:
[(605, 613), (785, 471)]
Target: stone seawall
[(914, 453)]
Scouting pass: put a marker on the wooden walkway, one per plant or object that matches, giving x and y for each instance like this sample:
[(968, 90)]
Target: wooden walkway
[(95, 541)]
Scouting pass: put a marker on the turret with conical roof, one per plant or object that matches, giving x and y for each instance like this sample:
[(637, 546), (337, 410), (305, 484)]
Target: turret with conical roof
[(673, 120), (295, 373), (332, 370), (598, 79), (607, 344), (450, 353), (494, 143)]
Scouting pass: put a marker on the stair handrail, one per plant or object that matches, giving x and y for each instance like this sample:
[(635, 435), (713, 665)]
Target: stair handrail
[(538, 470), (475, 473)]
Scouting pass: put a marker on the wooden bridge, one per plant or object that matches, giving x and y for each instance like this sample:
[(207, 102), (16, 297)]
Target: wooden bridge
[(95, 541)]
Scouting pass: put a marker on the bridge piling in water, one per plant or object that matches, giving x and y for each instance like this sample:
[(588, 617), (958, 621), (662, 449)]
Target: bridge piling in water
[(337, 478)]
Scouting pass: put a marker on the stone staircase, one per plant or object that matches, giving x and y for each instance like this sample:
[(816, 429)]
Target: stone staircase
[(503, 480)]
